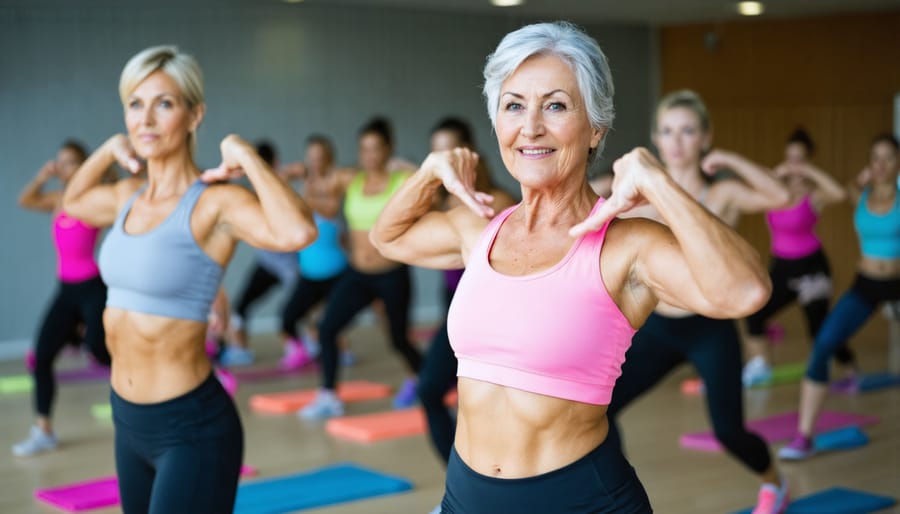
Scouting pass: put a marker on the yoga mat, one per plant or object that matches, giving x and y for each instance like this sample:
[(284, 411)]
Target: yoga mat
[(90, 373), (101, 411), (778, 428), (781, 375), (876, 381), (837, 500), (87, 495), (94, 494), (16, 384), (368, 428), (339, 483), (283, 403), (269, 373), (840, 439)]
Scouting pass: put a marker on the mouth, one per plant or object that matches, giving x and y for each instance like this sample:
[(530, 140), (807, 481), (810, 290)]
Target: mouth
[(533, 152), (148, 137)]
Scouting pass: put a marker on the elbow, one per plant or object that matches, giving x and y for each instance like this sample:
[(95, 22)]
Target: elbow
[(379, 242), (299, 239), (754, 293)]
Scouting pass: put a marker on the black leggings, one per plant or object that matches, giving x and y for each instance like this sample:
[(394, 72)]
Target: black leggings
[(806, 280), (600, 482), (258, 284), (714, 348), (74, 303), (352, 293), (180, 455), (305, 296), (438, 375)]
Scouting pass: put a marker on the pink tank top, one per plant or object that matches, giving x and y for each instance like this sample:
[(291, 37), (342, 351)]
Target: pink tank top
[(556, 332), (794, 230), (74, 241)]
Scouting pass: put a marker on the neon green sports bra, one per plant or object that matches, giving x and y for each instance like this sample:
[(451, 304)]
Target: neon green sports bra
[(362, 210)]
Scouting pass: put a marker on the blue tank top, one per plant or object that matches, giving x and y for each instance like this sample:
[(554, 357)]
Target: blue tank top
[(161, 272), (879, 234), (325, 258)]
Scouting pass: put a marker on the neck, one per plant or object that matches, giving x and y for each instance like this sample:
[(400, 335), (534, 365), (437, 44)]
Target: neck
[(884, 189), (689, 177), (563, 205), (171, 174)]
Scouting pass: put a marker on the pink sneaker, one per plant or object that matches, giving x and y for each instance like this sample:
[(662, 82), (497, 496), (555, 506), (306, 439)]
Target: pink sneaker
[(30, 360), (846, 385), (212, 348), (800, 448), (295, 355), (772, 499)]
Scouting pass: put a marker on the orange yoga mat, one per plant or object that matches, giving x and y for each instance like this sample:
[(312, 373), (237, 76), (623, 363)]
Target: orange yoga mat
[(380, 426), (291, 401)]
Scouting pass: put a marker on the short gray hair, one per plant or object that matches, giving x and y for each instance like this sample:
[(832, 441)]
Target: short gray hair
[(566, 41)]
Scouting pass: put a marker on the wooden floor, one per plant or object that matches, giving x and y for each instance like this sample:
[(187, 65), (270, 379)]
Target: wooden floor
[(678, 481)]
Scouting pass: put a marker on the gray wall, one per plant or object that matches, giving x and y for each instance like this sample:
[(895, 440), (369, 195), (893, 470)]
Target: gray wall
[(272, 70)]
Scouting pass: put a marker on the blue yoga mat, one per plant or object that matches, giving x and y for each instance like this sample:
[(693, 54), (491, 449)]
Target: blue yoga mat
[(837, 500), (325, 486), (876, 381), (840, 439)]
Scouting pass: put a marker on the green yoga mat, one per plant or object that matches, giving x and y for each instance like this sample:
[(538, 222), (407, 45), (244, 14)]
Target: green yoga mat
[(101, 411), (785, 374), (16, 384)]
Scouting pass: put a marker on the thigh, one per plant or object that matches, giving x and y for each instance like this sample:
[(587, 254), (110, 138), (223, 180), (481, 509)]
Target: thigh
[(135, 474), (393, 289), (92, 307), (60, 320), (350, 295), (716, 353)]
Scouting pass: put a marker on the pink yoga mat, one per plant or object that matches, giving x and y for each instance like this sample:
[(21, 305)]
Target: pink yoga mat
[(778, 428), (94, 494)]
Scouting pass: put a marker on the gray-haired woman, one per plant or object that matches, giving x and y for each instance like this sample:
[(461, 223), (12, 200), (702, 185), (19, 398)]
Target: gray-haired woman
[(555, 287)]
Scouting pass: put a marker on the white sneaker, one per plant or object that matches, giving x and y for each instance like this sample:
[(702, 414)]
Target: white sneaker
[(234, 356), (38, 442), (325, 405), (436, 510), (756, 372)]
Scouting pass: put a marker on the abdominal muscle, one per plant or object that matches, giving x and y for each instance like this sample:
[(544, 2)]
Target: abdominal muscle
[(154, 358), (508, 433)]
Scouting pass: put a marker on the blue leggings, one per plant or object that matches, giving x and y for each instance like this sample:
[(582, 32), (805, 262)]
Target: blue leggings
[(180, 455), (849, 315)]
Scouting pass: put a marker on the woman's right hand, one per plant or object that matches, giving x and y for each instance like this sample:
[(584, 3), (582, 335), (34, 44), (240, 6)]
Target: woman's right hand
[(47, 171), (864, 177), (456, 170), (124, 153)]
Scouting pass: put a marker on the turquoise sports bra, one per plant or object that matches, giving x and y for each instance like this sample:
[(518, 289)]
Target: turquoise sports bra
[(879, 234)]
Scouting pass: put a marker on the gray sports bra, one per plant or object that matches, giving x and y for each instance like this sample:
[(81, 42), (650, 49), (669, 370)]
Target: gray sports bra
[(162, 272)]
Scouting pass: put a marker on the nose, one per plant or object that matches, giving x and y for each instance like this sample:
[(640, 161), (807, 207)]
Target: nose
[(534, 123), (147, 118)]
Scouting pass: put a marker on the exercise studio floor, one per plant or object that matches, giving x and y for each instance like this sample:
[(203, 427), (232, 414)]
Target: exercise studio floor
[(678, 481)]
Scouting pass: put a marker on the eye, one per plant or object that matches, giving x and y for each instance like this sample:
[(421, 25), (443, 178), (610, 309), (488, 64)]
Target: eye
[(134, 104), (167, 104), (513, 106), (556, 106)]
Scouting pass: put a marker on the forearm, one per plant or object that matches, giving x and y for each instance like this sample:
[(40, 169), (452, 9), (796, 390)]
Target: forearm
[(412, 201), (88, 176), (31, 195), (758, 178), (726, 269), (287, 216), (830, 190)]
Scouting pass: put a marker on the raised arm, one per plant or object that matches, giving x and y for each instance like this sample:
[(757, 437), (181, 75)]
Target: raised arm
[(760, 190), (697, 263), (856, 186), (275, 218), (827, 190), (409, 231), (86, 197), (34, 197)]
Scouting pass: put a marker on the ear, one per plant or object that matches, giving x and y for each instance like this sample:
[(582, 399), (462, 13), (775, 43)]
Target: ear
[(597, 135), (197, 116)]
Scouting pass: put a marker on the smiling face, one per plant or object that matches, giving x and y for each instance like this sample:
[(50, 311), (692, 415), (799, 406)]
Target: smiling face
[(158, 118), (542, 125), (67, 162), (374, 152), (317, 158), (680, 137), (445, 140)]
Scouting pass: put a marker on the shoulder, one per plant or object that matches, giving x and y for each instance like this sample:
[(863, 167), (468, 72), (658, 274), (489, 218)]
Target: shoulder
[(125, 188)]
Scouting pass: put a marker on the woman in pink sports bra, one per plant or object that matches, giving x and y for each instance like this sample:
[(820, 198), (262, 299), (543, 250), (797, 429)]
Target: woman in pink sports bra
[(80, 296), (799, 269), (553, 289)]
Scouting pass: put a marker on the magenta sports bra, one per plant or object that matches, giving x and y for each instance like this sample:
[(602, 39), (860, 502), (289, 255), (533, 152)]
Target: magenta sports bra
[(556, 332), (794, 230), (74, 241)]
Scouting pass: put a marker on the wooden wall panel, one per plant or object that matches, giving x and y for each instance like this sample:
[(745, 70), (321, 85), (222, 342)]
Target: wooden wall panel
[(836, 76)]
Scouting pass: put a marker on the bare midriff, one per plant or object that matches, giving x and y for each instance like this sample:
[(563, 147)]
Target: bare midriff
[(364, 257)]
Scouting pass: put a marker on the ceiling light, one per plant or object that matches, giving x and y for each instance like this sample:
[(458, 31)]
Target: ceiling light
[(751, 8), (507, 3)]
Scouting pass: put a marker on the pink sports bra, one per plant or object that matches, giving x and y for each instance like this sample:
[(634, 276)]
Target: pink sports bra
[(556, 332), (794, 230), (74, 241)]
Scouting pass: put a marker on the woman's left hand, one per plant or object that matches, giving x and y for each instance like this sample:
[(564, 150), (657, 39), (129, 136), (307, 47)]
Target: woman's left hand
[(233, 149), (631, 173)]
